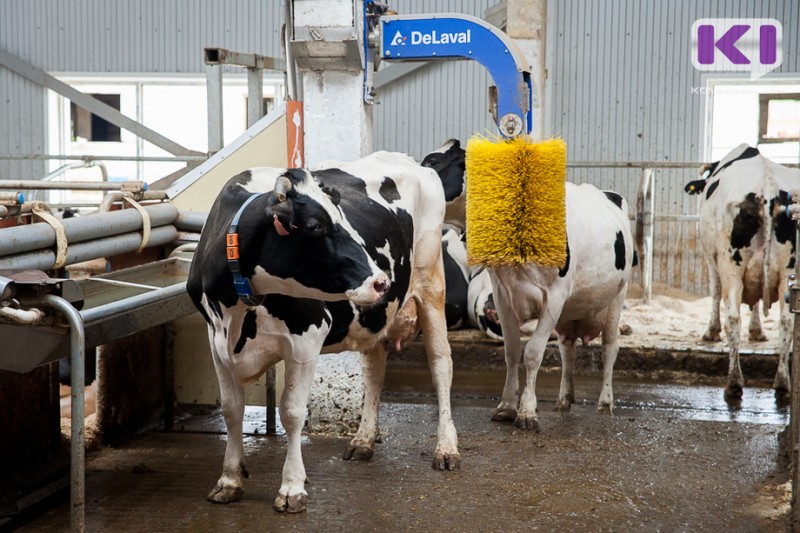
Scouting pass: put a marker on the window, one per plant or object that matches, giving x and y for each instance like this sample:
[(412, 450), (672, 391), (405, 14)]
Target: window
[(779, 117), (91, 127)]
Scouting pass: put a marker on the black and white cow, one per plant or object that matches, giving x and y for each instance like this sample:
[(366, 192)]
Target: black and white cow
[(456, 276), (581, 300), (449, 163), (480, 299), (748, 243), (336, 253)]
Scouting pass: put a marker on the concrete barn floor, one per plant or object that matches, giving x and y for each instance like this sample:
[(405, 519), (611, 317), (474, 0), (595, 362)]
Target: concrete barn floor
[(673, 458)]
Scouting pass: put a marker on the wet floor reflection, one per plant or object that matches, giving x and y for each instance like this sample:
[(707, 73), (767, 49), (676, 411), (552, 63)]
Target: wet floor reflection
[(685, 401)]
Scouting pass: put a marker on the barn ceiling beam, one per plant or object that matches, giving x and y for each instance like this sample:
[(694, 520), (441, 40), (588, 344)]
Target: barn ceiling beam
[(91, 104)]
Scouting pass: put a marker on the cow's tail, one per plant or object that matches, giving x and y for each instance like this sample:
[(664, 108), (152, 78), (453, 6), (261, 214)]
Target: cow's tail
[(769, 192)]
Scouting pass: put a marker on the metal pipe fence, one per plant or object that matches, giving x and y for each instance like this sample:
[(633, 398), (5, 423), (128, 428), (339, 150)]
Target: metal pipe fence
[(87, 158)]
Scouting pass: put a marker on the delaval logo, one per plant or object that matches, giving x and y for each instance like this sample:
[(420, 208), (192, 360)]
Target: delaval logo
[(433, 37), (398, 40), (737, 45)]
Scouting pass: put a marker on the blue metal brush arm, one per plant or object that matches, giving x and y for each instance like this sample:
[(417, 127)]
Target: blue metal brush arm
[(456, 36)]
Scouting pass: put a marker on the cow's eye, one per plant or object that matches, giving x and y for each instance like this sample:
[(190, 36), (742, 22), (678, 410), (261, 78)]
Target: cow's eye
[(314, 228)]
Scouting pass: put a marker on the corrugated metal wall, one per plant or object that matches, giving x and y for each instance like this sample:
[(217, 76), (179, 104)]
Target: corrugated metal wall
[(153, 36), (621, 82), (113, 36)]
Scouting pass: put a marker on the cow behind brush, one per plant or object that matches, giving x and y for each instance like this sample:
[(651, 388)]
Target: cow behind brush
[(580, 301), (293, 263), (748, 243)]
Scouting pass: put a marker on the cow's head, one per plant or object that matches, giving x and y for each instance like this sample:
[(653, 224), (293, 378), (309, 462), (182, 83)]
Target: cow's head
[(449, 163), (307, 248)]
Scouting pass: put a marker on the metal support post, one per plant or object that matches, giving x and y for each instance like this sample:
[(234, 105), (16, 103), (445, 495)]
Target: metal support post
[(255, 91), (645, 215), (271, 402), (793, 300), (214, 88), (77, 450)]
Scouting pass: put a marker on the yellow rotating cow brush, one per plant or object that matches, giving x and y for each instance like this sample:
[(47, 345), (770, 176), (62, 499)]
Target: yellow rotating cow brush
[(516, 210), (515, 187)]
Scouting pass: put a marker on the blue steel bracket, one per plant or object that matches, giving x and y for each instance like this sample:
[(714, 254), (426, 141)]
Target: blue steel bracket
[(455, 36)]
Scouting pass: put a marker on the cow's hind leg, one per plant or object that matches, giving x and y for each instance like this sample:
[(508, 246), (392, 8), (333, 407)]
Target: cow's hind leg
[(735, 383), (292, 496), (507, 409), (782, 383), (566, 393), (714, 324), (373, 366), (229, 486), (527, 417), (610, 349), (434, 335)]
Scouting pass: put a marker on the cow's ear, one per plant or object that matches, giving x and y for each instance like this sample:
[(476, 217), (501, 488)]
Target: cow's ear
[(332, 193), (282, 217), (695, 187), (282, 209)]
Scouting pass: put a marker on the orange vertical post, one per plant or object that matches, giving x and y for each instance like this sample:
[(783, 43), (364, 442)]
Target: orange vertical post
[(294, 134)]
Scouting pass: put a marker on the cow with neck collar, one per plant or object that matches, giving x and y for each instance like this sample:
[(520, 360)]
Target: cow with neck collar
[(293, 263), (580, 301)]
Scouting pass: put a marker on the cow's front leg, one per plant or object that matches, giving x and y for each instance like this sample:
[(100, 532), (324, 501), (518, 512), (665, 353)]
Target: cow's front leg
[(299, 373), (507, 409), (566, 392), (433, 324), (229, 486), (373, 367)]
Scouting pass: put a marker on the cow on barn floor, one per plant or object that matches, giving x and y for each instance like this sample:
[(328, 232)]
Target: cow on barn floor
[(581, 300), (292, 263), (749, 244)]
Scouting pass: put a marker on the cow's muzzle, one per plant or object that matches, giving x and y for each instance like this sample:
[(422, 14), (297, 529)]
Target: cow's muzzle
[(371, 291), (381, 286)]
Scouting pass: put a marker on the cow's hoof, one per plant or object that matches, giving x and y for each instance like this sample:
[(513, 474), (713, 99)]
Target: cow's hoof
[(711, 336), (358, 453), (446, 460), (563, 406), (734, 392), (504, 415), (757, 336), (527, 422), (783, 395), (605, 408), (291, 504), (220, 494)]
